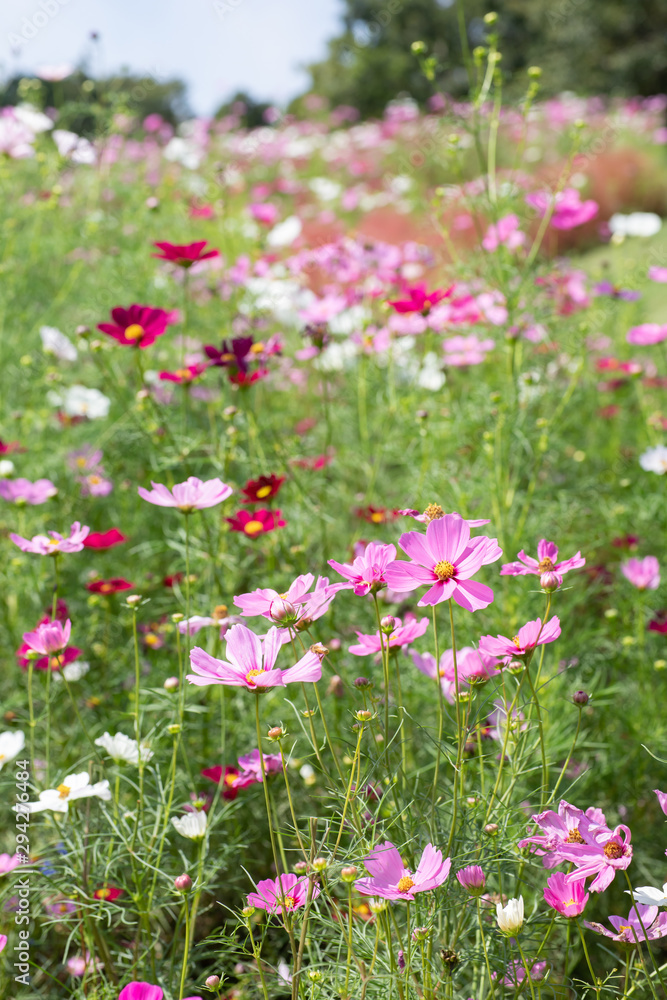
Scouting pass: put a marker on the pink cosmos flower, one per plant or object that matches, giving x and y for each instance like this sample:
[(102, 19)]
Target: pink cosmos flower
[(85, 459), (264, 212), (251, 768), (184, 376), (137, 326), (662, 799), (647, 334), (473, 667), (529, 636), (419, 300), (434, 512), (43, 546), (286, 890), (567, 898), (462, 352), (251, 664), (95, 485), (390, 879), (644, 574), (49, 637), (567, 826), (22, 491), (629, 929), (140, 991), (602, 854), (546, 562), (569, 211), (658, 274), (401, 636), (515, 973), (366, 573), (472, 879), (446, 558), (270, 604), (505, 232), (188, 496), (8, 862)]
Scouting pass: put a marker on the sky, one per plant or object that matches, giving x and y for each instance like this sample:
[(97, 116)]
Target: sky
[(216, 46)]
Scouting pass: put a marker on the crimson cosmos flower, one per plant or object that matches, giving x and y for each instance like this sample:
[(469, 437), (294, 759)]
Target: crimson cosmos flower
[(184, 376), (419, 300), (184, 254), (104, 539), (112, 586), (262, 488), (256, 523), (137, 326), (236, 356), (108, 893)]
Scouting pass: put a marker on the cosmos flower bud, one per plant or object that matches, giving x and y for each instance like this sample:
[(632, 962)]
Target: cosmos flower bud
[(82, 331), (349, 873), (449, 958), (581, 697), (516, 666), (400, 961), (174, 729), (420, 934), (377, 905), (550, 581), (212, 982), (247, 912), (276, 733), (183, 883), (171, 684), (491, 829), (133, 600), (472, 879), (315, 975), (363, 715), (510, 917), (300, 867), (363, 682), (283, 612), (388, 624), (319, 864), (178, 617)]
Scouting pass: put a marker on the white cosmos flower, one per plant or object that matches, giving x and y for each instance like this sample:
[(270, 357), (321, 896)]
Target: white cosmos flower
[(123, 748), (285, 232), (72, 787), (635, 224), (11, 744), (510, 917), (6, 467), (74, 147), (79, 401), (72, 672), (33, 119), (192, 825), (654, 459), (55, 342), (649, 896)]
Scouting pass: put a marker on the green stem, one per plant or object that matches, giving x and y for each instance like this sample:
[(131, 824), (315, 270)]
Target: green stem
[(186, 949)]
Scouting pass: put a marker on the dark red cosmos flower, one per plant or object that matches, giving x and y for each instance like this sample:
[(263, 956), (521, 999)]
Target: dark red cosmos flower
[(104, 539), (7, 447), (169, 581), (625, 542), (184, 376), (62, 613), (55, 662), (225, 778), (112, 586), (376, 515), (420, 301), (237, 356), (108, 893), (256, 523), (658, 623), (184, 254), (263, 488), (137, 326)]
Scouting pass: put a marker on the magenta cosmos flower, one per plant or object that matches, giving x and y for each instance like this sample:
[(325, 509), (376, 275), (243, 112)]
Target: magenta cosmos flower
[(297, 602), (558, 829), (257, 522), (546, 562), (43, 546), (472, 879), (529, 636), (137, 326), (390, 879), (191, 495), (250, 664), (140, 991), (419, 300), (567, 898), (629, 929), (48, 637), (286, 890), (602, 854), (22, 491), (184, 254), (401, 636), (366, 573), (445, 558), (647, 334), (644, 574)]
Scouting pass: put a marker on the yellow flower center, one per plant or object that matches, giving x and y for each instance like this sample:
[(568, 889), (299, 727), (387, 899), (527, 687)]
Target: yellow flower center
[(183, 372), (63, 791), (377, 517), (253, 528), (103, 893), (257, 348), (151, 639), (229, 779), (444, 570), (94, 480), (289, 902), (516, 641), (134, 331), (574, 837), (54, 541), (263, 491), (613, 851), (106, 588), (250, 676), (545, 565), (81, 462), (434, 512), (405, 884), (227, 357)]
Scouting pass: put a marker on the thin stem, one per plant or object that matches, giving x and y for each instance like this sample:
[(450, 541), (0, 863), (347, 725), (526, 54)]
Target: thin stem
[(267, 800), (459, 734), (349, 790), (486, 954), (186, 949)]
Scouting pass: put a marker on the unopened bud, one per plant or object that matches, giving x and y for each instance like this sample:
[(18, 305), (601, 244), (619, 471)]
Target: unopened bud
[(516, 666), (319, 864), (491, 829), (177, 617), (174, 729), (349, 873), (550, 581), (183, 883), (171, 684), (581, 697), (283, 612), (420, 933), (133, 600), (276, 733), (418, 48), (212, 982), (534, 72), (300, 867), (363, 682), (247, 912), (400, 961), (315, 975), (388, 624), (363, 715), (82, 331), (491, 17)]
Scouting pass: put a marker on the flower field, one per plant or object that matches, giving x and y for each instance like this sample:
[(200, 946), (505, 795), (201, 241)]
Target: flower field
[(332, 523)]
